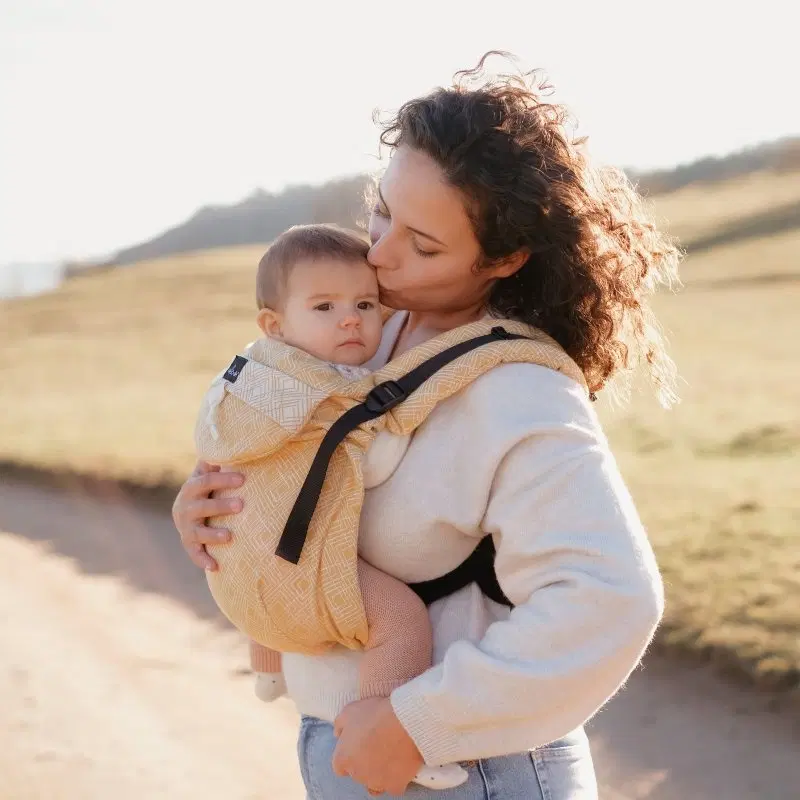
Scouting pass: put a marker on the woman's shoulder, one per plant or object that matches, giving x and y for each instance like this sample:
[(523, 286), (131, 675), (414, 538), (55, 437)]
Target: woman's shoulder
[(527, 390), (527, 386), (514, 402), (532, 410)]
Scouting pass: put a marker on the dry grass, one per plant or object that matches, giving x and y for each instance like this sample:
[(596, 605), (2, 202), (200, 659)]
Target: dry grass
[(698, 209), (104, 376)]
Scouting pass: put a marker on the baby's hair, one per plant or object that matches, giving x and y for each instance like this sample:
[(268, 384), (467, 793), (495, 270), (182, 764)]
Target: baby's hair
[(303, 243)]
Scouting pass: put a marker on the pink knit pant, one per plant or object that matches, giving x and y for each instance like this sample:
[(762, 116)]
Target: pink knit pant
[(399, 645)]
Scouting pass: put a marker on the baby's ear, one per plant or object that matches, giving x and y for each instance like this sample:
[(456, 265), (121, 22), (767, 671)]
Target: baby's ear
[(270, 323)]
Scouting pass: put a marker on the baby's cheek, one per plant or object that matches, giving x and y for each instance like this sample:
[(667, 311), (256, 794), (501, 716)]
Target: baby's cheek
[(375, 332)]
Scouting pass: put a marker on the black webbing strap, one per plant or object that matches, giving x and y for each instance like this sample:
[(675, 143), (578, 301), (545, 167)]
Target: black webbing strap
[(478, 568), (381, 399)]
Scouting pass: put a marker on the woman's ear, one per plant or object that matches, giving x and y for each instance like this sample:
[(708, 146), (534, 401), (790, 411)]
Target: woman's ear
[(270, 323), (508, 266)]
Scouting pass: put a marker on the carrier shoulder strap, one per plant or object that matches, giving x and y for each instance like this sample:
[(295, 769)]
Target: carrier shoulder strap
[(383, 397)]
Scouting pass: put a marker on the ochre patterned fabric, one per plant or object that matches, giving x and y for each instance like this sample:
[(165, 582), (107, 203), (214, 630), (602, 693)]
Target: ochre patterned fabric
[(268, 425)]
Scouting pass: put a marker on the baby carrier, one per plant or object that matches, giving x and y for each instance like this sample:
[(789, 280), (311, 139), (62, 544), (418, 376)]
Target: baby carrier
[(298, 431)]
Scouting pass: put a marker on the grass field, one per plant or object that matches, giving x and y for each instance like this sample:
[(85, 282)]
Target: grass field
[(104, 376)]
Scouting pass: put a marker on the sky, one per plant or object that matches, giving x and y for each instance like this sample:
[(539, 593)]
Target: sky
[(119, 118)]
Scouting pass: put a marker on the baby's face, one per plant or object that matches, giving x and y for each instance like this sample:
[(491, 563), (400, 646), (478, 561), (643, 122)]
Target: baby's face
[(330, 309)]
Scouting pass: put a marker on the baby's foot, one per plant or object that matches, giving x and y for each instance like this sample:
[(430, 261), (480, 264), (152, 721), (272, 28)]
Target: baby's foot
[(270, 686), (445, 777)]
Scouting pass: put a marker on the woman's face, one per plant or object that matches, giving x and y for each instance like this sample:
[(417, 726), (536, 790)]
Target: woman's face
[(423, 247)]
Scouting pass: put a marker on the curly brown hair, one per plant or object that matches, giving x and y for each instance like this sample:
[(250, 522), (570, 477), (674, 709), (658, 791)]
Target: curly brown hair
[(595, 253)]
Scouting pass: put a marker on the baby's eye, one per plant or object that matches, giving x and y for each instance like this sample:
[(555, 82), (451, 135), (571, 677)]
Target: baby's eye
[(366, 305), (323, 307)]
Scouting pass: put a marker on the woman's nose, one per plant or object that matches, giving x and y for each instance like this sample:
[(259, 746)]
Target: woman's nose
[(378, 254), (374, 254)]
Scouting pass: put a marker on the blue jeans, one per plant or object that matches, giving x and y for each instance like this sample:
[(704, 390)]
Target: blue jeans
[(562, 770)]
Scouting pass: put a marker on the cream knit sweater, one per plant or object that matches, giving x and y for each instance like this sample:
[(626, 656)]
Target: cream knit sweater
[(518, 454)]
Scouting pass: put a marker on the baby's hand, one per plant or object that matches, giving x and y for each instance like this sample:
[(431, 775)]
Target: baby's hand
[(270, 686)]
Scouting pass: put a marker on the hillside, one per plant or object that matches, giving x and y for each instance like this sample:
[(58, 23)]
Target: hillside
[(258, 218), (781, 155), (262, 216)]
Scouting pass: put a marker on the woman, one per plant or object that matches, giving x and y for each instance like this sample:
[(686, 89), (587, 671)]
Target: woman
[(488, 208)]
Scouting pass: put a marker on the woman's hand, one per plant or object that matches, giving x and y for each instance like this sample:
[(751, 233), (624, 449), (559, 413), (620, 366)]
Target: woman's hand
[(374, 749), (194, 505)]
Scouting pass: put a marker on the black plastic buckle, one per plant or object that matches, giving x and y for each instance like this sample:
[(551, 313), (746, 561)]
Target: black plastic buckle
[(384, 397), (501, 333)]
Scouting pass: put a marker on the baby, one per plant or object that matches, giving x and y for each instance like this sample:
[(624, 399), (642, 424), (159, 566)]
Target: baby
[(316, 292)]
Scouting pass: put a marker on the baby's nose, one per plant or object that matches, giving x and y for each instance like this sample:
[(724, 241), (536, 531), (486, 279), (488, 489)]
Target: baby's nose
[(351, 321)]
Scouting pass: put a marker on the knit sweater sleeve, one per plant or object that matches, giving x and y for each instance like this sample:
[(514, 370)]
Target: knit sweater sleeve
[(572, 556)]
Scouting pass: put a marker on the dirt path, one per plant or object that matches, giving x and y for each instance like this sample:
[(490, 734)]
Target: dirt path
[(118, 679)]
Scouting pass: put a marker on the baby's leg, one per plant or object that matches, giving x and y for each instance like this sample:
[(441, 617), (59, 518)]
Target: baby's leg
[(262, 659), (400, 642), (399, 647), (266, 664)]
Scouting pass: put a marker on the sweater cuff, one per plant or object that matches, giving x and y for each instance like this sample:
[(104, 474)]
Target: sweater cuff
[(433, 738)]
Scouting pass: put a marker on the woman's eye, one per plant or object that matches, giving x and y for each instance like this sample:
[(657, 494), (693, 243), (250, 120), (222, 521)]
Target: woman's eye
[(323, 307), (380, 211), (424, 253)]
